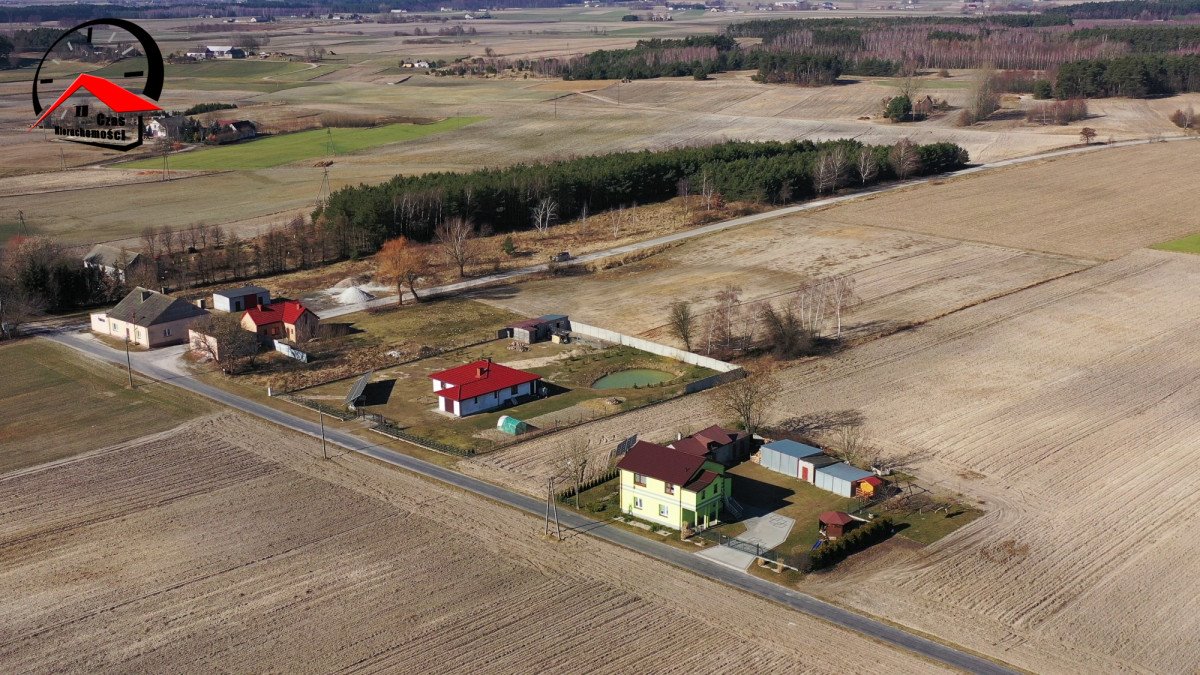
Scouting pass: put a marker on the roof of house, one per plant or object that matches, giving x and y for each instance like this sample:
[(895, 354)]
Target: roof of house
[(835, 518), (243, 125), (691, 446), (241, 291), (716, 434), (844, 471), (478, 378), (702, 481), (285, 311), (792, 449), (110, 256), (527, 324), (661, 462), (219, 48), (144, 307)]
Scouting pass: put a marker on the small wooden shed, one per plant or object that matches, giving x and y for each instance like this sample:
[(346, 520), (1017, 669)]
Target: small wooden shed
[(834, 524)]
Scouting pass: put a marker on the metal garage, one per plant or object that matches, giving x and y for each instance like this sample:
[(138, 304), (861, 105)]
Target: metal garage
[(841, 478), (785, 456)]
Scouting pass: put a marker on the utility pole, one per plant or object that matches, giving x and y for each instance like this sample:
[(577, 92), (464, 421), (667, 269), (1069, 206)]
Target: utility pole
[(324, 451), (128, 361), (552, 511), (24, 228)]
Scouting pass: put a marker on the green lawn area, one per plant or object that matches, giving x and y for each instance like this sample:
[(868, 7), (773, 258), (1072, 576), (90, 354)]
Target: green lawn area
[(287, 148), (1188, 244), (57, 403)]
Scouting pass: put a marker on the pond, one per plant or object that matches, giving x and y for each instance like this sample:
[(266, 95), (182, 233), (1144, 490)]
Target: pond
[(635, 377)]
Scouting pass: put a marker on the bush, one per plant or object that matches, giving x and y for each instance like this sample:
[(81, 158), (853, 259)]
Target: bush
[(1058, 112), (208, 107), (899, 109), (1184, 119), (508, 246), (858, 539), (1043, 89)]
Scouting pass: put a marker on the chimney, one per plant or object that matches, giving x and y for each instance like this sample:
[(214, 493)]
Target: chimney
[(678, 435)]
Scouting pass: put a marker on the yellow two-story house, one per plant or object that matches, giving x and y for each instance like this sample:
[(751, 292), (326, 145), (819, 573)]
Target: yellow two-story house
[(671, 487)]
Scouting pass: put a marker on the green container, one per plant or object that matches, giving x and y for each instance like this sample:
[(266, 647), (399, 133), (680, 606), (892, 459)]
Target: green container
[(511, 425)]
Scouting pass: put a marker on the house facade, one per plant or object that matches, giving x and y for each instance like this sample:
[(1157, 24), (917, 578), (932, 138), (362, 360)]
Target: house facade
[(285, 320), (481, 386), (672, 488), (148, 319)]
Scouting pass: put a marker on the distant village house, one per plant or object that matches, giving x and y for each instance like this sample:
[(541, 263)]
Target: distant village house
[(116, 262)]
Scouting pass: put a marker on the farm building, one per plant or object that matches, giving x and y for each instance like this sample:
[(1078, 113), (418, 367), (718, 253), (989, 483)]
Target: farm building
[(238, 299), (841, 479), (480, 386), (870, 486), (834, 524), (785, 457), (114, 261), (284, 320), (670, 487), (148, 318), (540, 329), (725, 446)]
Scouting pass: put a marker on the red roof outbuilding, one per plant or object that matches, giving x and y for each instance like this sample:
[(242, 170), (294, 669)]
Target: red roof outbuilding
[(835, 518), (478, 378)]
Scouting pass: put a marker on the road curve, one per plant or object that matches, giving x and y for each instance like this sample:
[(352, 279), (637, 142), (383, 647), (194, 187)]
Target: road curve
[(150, 365)]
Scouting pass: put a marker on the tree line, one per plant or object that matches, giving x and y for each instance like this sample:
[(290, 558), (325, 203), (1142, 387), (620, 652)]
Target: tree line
[(529, 196), (1143, 10), (1135, 76)]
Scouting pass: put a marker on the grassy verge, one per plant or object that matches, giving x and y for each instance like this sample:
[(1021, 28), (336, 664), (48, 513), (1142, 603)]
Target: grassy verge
[(57, 404), (287, 148)]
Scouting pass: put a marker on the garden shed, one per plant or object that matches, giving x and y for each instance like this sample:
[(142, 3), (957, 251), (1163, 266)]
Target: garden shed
[(841, 478), (785, 457), (834, 524)]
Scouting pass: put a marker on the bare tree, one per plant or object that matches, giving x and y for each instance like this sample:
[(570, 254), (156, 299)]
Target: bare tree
[(850, 444), (830, 169), (684, 187), (707, 190), (544, 215), (455, 236), (17, 307), (216, 234), (583, 219), (572, 460), (784, 332), (402, 262), (811, 302), (841, 296), (682, 322), (724, 334), (166, 240), (229, 344), (903, 158), (866, 166), (747, 400), (150, 242)]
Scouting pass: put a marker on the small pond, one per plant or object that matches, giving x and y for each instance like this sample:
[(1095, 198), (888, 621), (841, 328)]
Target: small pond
[(635, 377)]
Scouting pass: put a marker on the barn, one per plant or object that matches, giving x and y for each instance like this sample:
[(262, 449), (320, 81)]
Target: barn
[(841, 479)]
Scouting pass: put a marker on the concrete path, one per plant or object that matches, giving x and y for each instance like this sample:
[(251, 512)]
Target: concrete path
[(510, 275), (766, 531), (144, 363)]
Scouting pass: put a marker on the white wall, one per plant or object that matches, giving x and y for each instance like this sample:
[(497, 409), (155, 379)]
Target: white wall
[(652, 347), (490, 401)]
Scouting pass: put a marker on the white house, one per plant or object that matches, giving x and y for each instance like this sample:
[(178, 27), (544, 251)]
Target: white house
[(480, 386), (148, 318), (240, 299)]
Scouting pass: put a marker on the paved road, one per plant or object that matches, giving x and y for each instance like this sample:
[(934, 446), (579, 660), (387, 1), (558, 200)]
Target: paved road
[(501, 277), (152, 366)]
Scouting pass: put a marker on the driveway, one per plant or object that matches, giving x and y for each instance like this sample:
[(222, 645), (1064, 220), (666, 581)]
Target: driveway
[(766, 531)]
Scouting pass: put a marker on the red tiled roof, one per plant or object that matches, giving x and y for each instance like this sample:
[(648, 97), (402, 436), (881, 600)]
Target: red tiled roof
[(835, 518), (478, 378), (702, 481), (691, 446), (660, 462), (286, 311)]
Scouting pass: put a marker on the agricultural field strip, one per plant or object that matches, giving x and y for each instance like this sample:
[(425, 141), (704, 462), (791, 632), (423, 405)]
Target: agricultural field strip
[(1021, 448), (798, 601)]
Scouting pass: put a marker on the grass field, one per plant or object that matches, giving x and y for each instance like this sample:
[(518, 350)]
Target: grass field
[(287, 148), (1188, 244), (57, 404)]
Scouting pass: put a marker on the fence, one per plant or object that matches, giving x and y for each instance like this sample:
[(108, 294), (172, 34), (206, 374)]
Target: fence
[(339, 413), (387, 428), (796, 562), (653, 347), (588, 484), (288, 350)]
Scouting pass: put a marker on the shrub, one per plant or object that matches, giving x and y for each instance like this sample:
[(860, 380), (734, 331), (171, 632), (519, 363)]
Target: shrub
[(858, 539), (1184, 119), (1043, 89), (508, 246), (208, 107), (899, 109), (1058, 112)]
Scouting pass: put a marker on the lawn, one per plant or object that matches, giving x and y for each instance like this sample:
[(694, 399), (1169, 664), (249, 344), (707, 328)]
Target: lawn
[(287, 148), (1188, 244), (57, 403)]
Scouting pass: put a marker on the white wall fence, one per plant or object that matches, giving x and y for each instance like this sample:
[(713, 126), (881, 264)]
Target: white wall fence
[(288, 350), (726, 372)]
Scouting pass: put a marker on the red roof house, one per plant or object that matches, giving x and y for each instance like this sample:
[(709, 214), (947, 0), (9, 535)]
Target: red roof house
[(480, 386), (283, 320), (725, 446), (672, 487)]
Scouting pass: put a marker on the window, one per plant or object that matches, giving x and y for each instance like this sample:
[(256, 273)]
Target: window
[(512, 390), (668, 488), (639, 479), (637, 503), (663, 510), (166, 332)]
